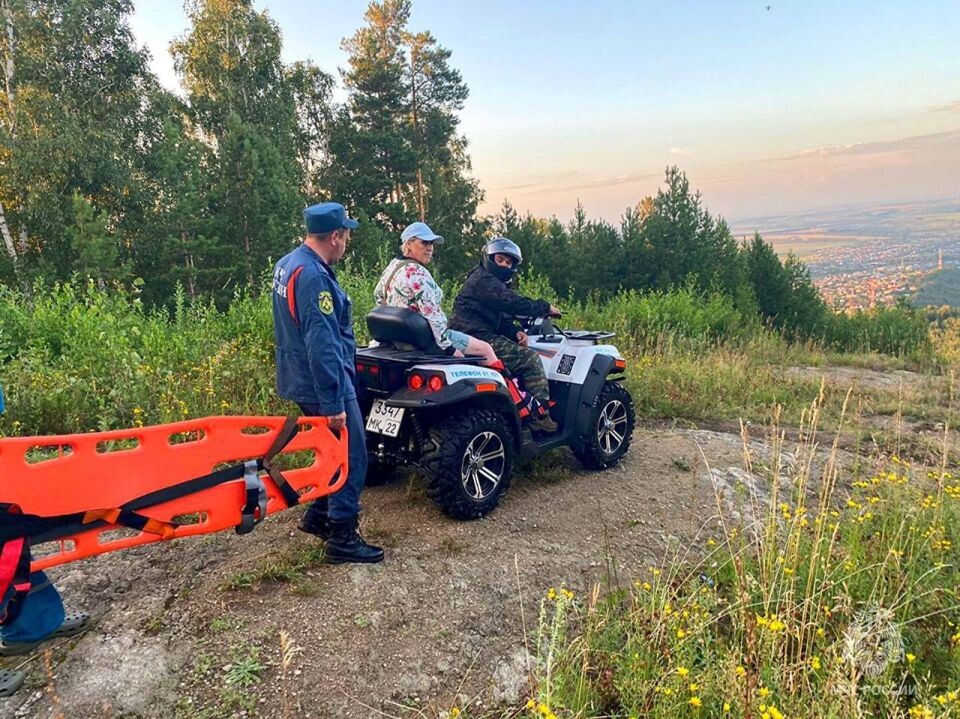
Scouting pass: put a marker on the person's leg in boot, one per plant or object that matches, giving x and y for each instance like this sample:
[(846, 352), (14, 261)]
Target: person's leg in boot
[(525, 363), (316, 520), (535, 382), (41, 617), (345, 543)]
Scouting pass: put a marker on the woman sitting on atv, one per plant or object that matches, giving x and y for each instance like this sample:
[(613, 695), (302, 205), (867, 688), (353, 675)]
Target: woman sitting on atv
[(406, 282)]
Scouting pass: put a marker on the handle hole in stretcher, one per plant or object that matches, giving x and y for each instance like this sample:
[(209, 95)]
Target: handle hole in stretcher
[(52, 549), (109, 536), (193, 435), (47, 452), (334, 478), (305, 427), (297, 459), (256, 429), (306, 490), (192, 518), (117, 445)]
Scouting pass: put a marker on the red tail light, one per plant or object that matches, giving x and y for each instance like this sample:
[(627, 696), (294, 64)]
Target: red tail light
[(429, 382)]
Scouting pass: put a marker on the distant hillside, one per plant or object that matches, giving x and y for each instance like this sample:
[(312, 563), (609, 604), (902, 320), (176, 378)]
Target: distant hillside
[(940, 288)]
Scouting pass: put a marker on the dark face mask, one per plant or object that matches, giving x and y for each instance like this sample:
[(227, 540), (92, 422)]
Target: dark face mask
[(504, 274)]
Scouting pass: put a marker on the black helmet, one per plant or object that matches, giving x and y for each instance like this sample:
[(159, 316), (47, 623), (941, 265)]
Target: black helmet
[(501, 246)]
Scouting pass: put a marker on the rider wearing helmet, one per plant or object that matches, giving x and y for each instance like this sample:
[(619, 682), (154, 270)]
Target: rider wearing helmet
[(486, 308)]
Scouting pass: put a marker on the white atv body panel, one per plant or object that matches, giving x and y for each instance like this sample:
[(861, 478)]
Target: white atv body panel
[(570, 360), (460, 372)]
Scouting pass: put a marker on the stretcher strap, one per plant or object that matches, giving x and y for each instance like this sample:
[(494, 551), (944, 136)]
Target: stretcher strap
[(286, 433)]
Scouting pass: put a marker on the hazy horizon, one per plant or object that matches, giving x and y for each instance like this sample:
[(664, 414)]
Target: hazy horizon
[(768, 111)]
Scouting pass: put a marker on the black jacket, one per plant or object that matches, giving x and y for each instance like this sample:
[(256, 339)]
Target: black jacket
[(485, 307)]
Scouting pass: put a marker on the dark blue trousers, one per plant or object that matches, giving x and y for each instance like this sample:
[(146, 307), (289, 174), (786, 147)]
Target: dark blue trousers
[(345, 503), (41, 615)]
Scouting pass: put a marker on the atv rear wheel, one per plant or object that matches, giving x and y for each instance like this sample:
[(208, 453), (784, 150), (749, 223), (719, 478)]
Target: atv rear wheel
[(468, 461), (611, 428)]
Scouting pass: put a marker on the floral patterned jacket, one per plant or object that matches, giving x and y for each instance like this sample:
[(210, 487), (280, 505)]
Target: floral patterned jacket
[(412, 286)]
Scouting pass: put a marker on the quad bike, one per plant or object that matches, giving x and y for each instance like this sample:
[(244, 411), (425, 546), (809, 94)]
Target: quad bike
[(458, 421)]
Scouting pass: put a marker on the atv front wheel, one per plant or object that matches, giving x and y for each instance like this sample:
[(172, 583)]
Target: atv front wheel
[(611, 428), (468, 463)]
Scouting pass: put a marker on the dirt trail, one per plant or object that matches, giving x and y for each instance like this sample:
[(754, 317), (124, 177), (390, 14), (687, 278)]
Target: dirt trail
[(440, 618)]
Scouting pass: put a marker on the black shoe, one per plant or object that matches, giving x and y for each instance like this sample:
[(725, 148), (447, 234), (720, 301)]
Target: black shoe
[(315, 522), (346, 545)]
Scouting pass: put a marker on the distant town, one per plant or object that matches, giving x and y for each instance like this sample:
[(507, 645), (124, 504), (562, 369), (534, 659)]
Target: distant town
[(877, 272), (863, 256)]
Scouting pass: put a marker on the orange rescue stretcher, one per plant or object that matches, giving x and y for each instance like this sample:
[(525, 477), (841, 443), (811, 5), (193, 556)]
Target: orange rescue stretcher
[(86, 494)]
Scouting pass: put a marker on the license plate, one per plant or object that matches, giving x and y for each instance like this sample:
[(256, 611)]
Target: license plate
[(384, 419)]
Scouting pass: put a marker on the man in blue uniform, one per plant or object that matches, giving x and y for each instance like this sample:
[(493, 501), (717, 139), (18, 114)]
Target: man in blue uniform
[(313, 326)]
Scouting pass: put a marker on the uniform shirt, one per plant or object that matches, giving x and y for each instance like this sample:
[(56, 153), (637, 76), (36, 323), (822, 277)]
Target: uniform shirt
[(313, 327), (485, 307), (408, 284)]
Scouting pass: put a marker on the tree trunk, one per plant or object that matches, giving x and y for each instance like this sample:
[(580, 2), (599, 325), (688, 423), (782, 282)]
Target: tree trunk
[(188, 264), (11, 91), (416, 132), (8, 67), (246, 251), (8, 239), (421, 206)]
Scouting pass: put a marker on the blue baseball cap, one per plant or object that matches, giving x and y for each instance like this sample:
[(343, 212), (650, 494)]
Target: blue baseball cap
[(422, 231), (327, 217)]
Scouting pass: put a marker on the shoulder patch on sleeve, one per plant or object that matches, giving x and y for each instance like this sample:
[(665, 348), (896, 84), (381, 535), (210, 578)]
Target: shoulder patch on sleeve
[(325, 302)]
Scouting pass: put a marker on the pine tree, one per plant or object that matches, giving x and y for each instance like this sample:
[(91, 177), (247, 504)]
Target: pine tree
[(394, 154), (242, 97)]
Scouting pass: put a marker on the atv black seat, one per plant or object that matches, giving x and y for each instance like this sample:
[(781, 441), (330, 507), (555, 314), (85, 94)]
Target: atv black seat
[(399, 326)]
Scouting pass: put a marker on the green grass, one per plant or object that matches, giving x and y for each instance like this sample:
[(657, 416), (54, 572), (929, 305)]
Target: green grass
[(841, 600), (289, 565), (767, 622)]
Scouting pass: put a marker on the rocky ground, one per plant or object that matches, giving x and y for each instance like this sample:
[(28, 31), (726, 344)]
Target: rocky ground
[(192, 628)]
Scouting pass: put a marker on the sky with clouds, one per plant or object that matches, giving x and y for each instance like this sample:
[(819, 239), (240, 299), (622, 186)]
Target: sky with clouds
[(770, 107)]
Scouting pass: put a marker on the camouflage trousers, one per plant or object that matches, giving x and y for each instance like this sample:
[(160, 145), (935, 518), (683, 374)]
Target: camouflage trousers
[(524, 363)]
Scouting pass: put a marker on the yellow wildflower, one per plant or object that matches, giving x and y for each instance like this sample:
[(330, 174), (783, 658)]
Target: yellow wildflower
[(695, 702)]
